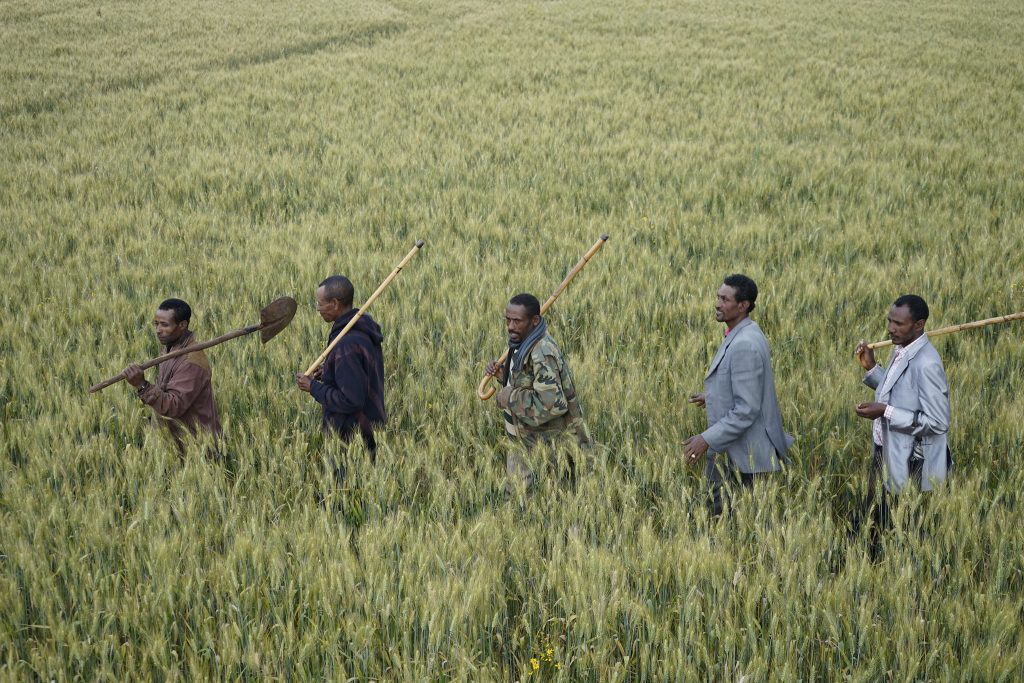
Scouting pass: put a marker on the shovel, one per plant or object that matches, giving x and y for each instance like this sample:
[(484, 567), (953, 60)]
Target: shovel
[(274, 318)]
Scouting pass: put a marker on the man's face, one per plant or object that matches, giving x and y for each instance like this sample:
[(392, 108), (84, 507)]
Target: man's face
[(727, 309), (329, 309), (902, 327), (167, 330), (519, 323)]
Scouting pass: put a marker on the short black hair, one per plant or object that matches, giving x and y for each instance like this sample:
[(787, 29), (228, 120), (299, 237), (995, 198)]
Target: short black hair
[(918, 308), (527, 301), (182, 311), (339, 287), (746, 289)]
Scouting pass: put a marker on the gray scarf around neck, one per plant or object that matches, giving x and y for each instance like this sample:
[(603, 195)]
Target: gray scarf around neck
[(515, 357)]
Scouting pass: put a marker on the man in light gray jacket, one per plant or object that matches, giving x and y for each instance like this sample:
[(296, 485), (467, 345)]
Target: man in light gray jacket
[(744, 421), (910, 412)]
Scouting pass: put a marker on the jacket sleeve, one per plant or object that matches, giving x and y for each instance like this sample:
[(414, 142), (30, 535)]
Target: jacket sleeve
[(544, 399), (348, 395), (746, 377), (933, 417), (184, 387), (874, 376)]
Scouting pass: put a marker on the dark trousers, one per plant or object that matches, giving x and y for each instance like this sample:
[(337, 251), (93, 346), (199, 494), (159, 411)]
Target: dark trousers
[(879, 503), (723, 480), (878, 498)]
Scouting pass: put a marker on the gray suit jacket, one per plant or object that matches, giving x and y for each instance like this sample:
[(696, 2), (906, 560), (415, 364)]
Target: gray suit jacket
[(917, 390), (742, 408)]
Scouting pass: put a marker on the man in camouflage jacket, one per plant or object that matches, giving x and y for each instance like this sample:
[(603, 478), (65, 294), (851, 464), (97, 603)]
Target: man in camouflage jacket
[(538, 395)]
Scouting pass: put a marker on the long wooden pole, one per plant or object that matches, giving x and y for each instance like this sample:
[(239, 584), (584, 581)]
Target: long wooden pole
[(366, 304), (179, 352), (958, 328), (482, 391)]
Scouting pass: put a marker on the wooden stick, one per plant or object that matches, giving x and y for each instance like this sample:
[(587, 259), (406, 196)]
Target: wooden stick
[(179, 352), (958, 328), (366, 304), (482, 392)]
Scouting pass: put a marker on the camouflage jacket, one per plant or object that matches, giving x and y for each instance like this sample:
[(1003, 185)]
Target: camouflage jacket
[(542, 397)]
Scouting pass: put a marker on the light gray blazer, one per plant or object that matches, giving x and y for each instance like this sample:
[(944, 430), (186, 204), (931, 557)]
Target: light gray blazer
[(917, 390), (742, 408)]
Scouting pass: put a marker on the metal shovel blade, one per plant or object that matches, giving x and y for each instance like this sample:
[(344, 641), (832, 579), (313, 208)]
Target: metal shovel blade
[(276, 316)]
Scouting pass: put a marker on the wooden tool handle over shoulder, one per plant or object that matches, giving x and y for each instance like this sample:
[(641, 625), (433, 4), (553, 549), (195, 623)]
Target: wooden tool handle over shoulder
[(482, 392), (362, 309), (192, 348), (958, 328)]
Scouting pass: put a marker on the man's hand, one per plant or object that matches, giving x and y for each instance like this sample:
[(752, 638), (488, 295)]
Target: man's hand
[(865, 356), (503, 397), (318, 374), (303, 381), (134, 375), (698, 399), (694, 448), (870, 410), (496, 370)]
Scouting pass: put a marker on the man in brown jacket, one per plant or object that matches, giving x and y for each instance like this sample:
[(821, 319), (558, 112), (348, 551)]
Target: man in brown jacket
[(182, 398)]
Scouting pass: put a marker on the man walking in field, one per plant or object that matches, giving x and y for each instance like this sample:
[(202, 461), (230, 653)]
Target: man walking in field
[(538, 395), (910, 412), (350, 384), (182, 398), (744, 421)]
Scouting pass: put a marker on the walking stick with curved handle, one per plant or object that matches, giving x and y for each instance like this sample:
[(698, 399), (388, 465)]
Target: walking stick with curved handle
[(366, 304), (482, 391)]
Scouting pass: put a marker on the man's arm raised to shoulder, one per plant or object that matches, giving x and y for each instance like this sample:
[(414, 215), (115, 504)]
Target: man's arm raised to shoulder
[(185, 385)]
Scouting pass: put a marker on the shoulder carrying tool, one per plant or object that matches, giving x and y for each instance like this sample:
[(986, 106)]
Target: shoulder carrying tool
[(274, 318), (958, 328), (362, 309), (482, 391)]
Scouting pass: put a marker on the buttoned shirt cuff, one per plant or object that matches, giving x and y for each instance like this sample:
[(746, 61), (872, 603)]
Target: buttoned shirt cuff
[(888, 412)]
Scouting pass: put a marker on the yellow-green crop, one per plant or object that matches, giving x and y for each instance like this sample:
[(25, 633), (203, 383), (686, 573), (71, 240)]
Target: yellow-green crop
[(231, 152)]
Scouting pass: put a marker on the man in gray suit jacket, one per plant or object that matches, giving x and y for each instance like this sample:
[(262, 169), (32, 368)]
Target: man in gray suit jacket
[(911, 406), (744, 421)]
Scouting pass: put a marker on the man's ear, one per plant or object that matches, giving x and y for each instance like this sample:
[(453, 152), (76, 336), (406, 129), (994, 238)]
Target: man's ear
[(183, 324), (535, 321)]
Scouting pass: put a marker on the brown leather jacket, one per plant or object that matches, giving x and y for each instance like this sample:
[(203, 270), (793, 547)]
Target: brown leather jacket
[(182, 398)]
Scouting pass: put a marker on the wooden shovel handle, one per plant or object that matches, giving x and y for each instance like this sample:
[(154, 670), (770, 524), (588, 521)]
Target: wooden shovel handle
[(179, 352), (482, 392)]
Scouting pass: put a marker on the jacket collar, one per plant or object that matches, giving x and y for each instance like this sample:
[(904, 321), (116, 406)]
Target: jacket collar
[(733, 333), (340, 323), (183, 341), (897, 369)]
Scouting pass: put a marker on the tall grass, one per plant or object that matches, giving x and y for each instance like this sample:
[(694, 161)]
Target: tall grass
[(232, 152)]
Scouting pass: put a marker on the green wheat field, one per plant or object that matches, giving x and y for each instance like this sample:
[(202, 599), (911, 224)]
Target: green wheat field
[(840, 153)]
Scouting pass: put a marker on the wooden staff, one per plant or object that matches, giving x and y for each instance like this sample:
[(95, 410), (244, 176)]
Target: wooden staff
[(482, 391), (958, 328), (366, 304)]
